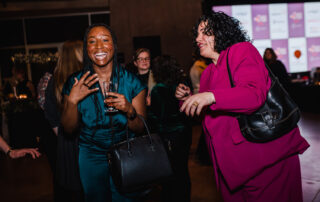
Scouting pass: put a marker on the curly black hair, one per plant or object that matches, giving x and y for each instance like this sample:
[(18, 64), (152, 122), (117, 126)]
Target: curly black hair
[(225, 29), (165, 69)]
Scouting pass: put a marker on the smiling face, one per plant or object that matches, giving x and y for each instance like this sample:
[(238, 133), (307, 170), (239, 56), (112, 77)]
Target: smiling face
[(205, 43), (100, 47)]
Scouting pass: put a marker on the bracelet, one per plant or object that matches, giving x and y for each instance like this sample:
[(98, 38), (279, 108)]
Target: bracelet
[(8, 152)]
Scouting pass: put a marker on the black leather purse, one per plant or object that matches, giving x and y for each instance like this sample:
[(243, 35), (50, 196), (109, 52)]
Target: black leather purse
[(138, 163), (276, 117)]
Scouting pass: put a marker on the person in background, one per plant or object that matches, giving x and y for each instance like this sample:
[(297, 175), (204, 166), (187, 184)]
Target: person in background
[(84, 109), (141, 61), (19, 85), (18, 153), (41, 88), (142, 64), (196, 70), (277, 67), (67, 179), (244, 171), (315, 75), (173, 126), (22, 110)]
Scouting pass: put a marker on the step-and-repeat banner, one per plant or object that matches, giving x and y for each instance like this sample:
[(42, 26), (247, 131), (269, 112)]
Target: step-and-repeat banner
[(291, 29)]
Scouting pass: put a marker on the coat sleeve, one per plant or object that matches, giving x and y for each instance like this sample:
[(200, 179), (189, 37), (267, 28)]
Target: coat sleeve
[(250, 78)]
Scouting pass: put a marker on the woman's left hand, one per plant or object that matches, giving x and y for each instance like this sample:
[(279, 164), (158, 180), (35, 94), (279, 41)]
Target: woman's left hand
[(118, 101), (195, 103)]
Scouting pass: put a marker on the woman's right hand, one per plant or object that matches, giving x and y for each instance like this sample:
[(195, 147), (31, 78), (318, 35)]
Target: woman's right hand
[(81, 88), (182, 92)]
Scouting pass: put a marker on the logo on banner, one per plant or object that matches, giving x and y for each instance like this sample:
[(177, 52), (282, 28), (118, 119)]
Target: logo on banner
[(296, 17), (280, 52), (260, 19), (297, 54), (314, 50)]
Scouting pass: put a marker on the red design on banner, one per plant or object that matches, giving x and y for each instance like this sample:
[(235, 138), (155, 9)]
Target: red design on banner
[(297, 53)]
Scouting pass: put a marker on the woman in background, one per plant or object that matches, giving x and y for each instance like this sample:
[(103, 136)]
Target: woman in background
[(141, 61), (67, 179), (19, 83), (277, 67), (142, 64), (173, 126)]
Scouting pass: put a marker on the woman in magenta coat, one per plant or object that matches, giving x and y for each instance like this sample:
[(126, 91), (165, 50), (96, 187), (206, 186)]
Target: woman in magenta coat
[(244, 171)]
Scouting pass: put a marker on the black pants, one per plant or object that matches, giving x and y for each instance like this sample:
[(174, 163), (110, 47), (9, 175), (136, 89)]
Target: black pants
[(178, 188)]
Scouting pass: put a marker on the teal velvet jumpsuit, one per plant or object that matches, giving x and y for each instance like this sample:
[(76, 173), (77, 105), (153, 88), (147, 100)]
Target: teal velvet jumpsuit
[(96, 136)]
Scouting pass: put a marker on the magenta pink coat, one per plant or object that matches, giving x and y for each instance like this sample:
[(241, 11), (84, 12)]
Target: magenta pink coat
[(238, 159)]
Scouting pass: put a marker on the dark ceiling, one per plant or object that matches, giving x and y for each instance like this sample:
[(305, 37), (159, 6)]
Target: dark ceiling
[(29, 8)]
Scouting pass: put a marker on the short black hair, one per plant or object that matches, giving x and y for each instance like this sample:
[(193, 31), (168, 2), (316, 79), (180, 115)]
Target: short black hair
[(225, 29)]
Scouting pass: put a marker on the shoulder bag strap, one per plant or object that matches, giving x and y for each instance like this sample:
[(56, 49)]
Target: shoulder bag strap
[(229, 72), (272, 76)]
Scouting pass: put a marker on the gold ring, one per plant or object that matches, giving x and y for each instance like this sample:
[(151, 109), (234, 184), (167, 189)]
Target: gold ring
[(195, 103)]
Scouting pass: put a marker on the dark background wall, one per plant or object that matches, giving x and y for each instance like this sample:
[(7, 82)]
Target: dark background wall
[(164, 25), (171, 20)]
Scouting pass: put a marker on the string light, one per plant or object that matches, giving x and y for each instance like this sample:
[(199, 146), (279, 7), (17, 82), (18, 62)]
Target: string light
[(41, 58)]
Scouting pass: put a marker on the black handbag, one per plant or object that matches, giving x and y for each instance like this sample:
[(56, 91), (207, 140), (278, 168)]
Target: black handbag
[(276, 117), (138, 163)]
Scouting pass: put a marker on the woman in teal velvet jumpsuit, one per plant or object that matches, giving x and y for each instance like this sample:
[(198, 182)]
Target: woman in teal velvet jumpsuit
[(84, 108)]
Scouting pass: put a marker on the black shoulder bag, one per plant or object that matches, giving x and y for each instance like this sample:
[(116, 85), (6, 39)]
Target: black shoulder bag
[(276, 117), (137, 163)]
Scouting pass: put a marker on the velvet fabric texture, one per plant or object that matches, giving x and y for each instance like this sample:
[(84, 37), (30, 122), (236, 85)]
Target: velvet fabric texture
[(98, 132)]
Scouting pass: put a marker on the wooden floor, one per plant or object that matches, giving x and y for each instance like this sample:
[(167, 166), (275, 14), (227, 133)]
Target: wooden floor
[(28, 180)]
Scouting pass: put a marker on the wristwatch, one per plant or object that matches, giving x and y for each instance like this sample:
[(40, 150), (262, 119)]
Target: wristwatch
[(133, 115)]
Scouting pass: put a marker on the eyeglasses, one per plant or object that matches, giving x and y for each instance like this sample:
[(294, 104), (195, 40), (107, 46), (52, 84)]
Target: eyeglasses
[(143, 59)]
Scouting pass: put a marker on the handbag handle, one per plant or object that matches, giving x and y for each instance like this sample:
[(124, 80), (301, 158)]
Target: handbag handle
[(272, 76), (229, 72), (148, 132)]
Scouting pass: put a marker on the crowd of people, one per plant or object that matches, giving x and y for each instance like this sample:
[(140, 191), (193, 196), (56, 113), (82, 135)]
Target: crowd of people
[(74, 101)]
